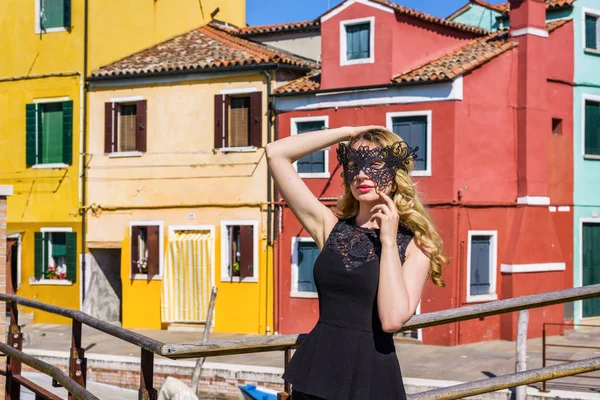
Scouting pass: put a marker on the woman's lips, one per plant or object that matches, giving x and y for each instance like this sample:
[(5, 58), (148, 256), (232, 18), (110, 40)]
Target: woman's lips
[(364, 188)]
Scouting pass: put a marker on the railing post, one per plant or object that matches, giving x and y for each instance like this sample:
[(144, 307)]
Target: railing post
[(147, 391), (544, 390), (77, 360), (13, 365)]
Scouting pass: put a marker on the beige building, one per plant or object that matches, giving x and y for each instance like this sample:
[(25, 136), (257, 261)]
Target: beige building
[(178, 184)]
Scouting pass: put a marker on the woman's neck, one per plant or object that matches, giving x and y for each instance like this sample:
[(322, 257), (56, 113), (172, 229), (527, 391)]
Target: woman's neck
[(363, 218)]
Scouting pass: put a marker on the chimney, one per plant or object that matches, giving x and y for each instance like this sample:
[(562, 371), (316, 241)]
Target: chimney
[(528, 29)]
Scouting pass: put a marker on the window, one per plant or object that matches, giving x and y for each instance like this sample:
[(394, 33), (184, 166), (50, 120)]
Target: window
[(314, 165), (238, 120), (415, 129), (557, 126), (146, 248), (481, 266), (55, 255), (239, 251), (125, 127), (49, 133), (305, 253), (592, 30), (52, 15), (357, 41), (591, 145)]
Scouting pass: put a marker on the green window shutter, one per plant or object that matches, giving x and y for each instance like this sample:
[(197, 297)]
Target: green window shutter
[(591, 31), (67, 150), (71, 256), (53, 13), (590, 259), (592, 128), (67, 14), (31, 133), (50, 130), (40, 254)]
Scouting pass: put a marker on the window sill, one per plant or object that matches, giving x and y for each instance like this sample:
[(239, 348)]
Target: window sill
[(314, 175), (50, 166), (144, 277), (125, 154), (246, 149), (421, 173), (50, 30), (238, 279), (591, 51), (591, 156), (49, 282), (482, 298), (358, 61), (304, 295)]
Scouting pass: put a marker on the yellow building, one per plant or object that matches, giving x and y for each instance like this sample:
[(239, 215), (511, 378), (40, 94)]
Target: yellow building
[(42, 86), (178, 181)]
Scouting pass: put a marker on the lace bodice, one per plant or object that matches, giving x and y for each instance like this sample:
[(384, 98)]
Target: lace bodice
[(357, 245)]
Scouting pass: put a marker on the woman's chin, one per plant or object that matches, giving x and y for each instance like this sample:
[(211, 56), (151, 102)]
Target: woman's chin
[(369, 197)]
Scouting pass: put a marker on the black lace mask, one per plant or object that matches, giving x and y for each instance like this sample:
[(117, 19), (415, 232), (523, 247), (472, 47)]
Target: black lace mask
[(379, 164)]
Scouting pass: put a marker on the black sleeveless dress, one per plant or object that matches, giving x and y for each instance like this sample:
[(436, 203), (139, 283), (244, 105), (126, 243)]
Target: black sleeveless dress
[(347, 355)]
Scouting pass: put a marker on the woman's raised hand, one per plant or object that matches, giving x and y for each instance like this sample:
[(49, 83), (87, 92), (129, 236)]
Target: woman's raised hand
[(387, 215)]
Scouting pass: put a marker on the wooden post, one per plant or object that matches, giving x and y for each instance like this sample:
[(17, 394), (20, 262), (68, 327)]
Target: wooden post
[(147, 391), (77, 361), (521, 365), (13, 365), (200, 362)]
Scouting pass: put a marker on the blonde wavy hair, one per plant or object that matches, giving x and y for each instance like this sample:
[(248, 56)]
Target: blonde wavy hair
[(413, 215)]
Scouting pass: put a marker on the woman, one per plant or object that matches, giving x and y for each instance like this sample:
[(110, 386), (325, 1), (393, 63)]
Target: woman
[(375, 259)]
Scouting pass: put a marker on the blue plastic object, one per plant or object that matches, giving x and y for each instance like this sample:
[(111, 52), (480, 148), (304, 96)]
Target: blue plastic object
[(252, 392)]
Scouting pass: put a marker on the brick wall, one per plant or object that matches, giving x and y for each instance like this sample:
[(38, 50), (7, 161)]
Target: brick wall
[(5, 191)]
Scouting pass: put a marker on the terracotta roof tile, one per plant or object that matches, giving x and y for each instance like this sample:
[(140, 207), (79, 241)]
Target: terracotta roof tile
[(278, 28), (202, 48), (306, 83), (549, 4)]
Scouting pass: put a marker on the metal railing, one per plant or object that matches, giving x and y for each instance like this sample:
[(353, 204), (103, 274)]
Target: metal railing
[(545, 345), (76, 381)]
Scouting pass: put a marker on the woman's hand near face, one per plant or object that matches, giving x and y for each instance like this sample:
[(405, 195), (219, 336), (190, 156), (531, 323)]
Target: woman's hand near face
[(387, 216)]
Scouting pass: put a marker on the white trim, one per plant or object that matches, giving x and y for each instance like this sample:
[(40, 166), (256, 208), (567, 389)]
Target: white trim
[(400, 94), (343, 41), (125, 154), (534, 200), (529, 31), (161, 247), (56, 230), (294, 292), (50, 166), (347, 4), (36, 17), (238, 91), (389, 118), (19, 237), (493, 267), (586, 97), (552, 208), (564, 209), (126, 99), (51, 100), (51, 282), (539, 267), (6, 190), (224, 253), (596, 13), (244, 149), (144, 277), (294, 131)]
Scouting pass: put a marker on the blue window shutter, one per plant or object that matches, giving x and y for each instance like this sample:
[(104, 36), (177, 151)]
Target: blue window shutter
[(307, 255), (67, 14), (413, 130), (591, 32), (71, 255), (358, 43), (590, 259), (592, 128), (480, 265), (31, 134), (315, 162)]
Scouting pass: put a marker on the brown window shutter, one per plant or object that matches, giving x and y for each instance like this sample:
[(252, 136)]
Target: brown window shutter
[(141, 128), (256, 115), (135, 248), (153, 250), (108, 127), (246, 251), (221, 121)]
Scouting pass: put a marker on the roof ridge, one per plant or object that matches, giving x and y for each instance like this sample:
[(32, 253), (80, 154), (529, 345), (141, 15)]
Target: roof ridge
[(229, 39), (286, 25)]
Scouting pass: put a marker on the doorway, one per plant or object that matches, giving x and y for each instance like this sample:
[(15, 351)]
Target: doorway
[(13, 263)]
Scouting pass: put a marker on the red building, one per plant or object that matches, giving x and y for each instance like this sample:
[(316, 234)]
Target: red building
[(492, 115)]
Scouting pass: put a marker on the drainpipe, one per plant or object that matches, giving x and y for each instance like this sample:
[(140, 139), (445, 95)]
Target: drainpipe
[(84, 153), (278, 216), (269, 200)]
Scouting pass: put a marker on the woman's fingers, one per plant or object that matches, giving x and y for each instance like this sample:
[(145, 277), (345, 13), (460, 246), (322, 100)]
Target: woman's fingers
[(389, 202), (383, 208)]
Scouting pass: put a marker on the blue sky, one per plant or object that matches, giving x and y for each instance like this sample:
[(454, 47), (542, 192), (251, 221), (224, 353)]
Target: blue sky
[(262, 12)]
